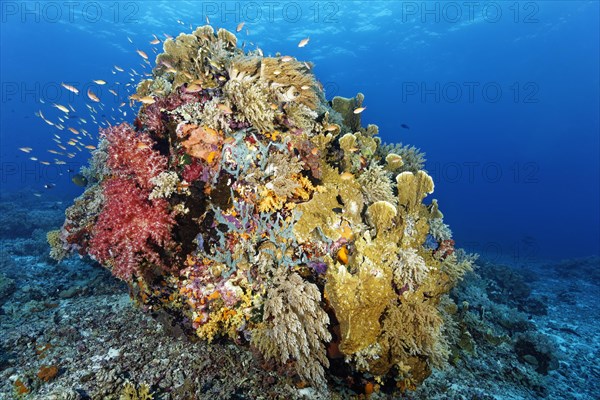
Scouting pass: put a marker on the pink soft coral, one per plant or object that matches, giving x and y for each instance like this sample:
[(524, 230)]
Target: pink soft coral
[(130, 155), (130, 228)]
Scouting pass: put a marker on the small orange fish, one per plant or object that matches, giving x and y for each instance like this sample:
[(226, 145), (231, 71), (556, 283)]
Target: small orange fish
[(141, 53), (92, 96), (100, 82), (25, 149), (70, 88), (286, 59), (142, 145), (90, 147), (303, 42), (147, 100), (359, 110), (240, 26), (346, 176), (193, 88), (342, 255), (61, 108), (75, 131)]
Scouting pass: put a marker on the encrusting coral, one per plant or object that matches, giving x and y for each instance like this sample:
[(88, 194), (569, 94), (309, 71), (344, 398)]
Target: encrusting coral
[(243, 204)]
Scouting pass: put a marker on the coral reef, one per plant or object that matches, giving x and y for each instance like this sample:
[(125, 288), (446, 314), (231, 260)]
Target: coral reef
[(248, 209)]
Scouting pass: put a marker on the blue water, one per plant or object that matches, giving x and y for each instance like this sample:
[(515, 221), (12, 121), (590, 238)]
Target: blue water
[(502, 96)]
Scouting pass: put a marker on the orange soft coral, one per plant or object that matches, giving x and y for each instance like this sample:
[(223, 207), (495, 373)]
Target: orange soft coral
[(202, 142)]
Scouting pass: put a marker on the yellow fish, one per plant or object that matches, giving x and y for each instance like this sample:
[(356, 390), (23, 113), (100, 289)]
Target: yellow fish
[(193, 88), (147, 100), (61, 108)]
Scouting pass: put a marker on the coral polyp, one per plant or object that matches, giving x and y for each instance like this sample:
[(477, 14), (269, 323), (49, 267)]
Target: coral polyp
[(251, 209)]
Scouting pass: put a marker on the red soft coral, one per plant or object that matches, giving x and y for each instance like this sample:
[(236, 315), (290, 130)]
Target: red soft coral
[(130, 228), (130, 154)]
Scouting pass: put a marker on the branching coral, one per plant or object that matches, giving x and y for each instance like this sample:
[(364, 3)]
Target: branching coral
[(376, 185), (251, 98), (410, 270), (413, 159), (295, 326)]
